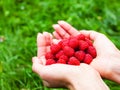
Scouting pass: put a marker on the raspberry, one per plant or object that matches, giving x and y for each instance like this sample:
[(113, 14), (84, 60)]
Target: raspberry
[(73, 61), (88, 59), (55, 48), (50, 61), (64, 57), (80, 55), (62, 61), (60, 53), (71, 51), (92, 51), (89, 41), (64, 43), (60, 42), (73, 43), (83, 45), (80, 37), (68, 51), (49, 55)]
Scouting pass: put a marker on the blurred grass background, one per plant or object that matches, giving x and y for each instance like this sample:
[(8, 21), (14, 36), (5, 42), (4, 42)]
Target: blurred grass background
[(21, 20)]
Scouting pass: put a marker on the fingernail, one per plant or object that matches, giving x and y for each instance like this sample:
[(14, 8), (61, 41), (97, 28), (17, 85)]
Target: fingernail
[(39, 34), (60, 21), (34, 59), (55, 26), (55, 41), (45, 33)]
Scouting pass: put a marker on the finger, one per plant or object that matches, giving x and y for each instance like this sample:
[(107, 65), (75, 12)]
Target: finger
[(40, 40), (56, 35), (93, 35), (68, 28), (37, 65), (41, 44), (61, 32), (48, 38), (99, 39), (36, 60), (55, 41)]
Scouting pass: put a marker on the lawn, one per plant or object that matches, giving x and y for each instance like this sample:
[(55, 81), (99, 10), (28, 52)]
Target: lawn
[(21, 20)]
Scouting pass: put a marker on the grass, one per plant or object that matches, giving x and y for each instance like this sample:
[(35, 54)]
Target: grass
[(21, 20)]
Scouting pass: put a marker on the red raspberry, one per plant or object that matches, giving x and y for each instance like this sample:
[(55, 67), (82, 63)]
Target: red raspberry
[(62, 61), (89, 41), (49, 55), (80, 55), (80, 37), (60, 53), (55, 48), (60, 42), (64, 42), (73, 61), (71, 51), (88, 59), (92, 51), (64, 57), (73, 42), (50, 61), (68, 51), (83, 45)]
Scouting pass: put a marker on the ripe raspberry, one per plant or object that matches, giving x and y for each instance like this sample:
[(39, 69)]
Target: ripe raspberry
[(68, 51), (83, 45), (60, 42), (50, 61), (89, 41), (73, 61), (60, 53), (80, 55), (49, 55), (80, 37), (64, 42), (92, 51), (64, 57), (55, 48), (62, 61), (71, 51), (88, 59), (73, 42)]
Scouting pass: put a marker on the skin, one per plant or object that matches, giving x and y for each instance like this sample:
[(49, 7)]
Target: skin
[(107, 62), (60, 75)]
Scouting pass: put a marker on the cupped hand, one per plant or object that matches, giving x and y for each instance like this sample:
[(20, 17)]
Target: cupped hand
[(107, 53), (61, 75), (69, 76), (49, 74), (52, 75)]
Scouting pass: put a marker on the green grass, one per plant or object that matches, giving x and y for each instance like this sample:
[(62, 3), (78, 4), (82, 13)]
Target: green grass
[(21, 20)]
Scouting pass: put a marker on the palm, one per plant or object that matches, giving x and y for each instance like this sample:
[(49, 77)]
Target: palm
[(104, 47), (52, 78), (43, 43)]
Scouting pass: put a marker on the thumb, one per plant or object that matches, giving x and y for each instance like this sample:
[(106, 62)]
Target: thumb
[(37, 65)]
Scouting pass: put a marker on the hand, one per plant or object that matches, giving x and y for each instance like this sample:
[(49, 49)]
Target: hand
[(107, 62), (61, 75), (72, 77), (45, 72)]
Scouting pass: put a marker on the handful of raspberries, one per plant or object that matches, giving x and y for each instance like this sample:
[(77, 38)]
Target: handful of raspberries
[(72, 51)]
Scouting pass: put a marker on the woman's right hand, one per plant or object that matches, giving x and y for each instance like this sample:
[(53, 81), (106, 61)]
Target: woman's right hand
[(107, 62)]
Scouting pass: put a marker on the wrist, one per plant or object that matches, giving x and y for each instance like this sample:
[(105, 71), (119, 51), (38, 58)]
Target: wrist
[(93, 81), (114, 74), (97, 84)]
